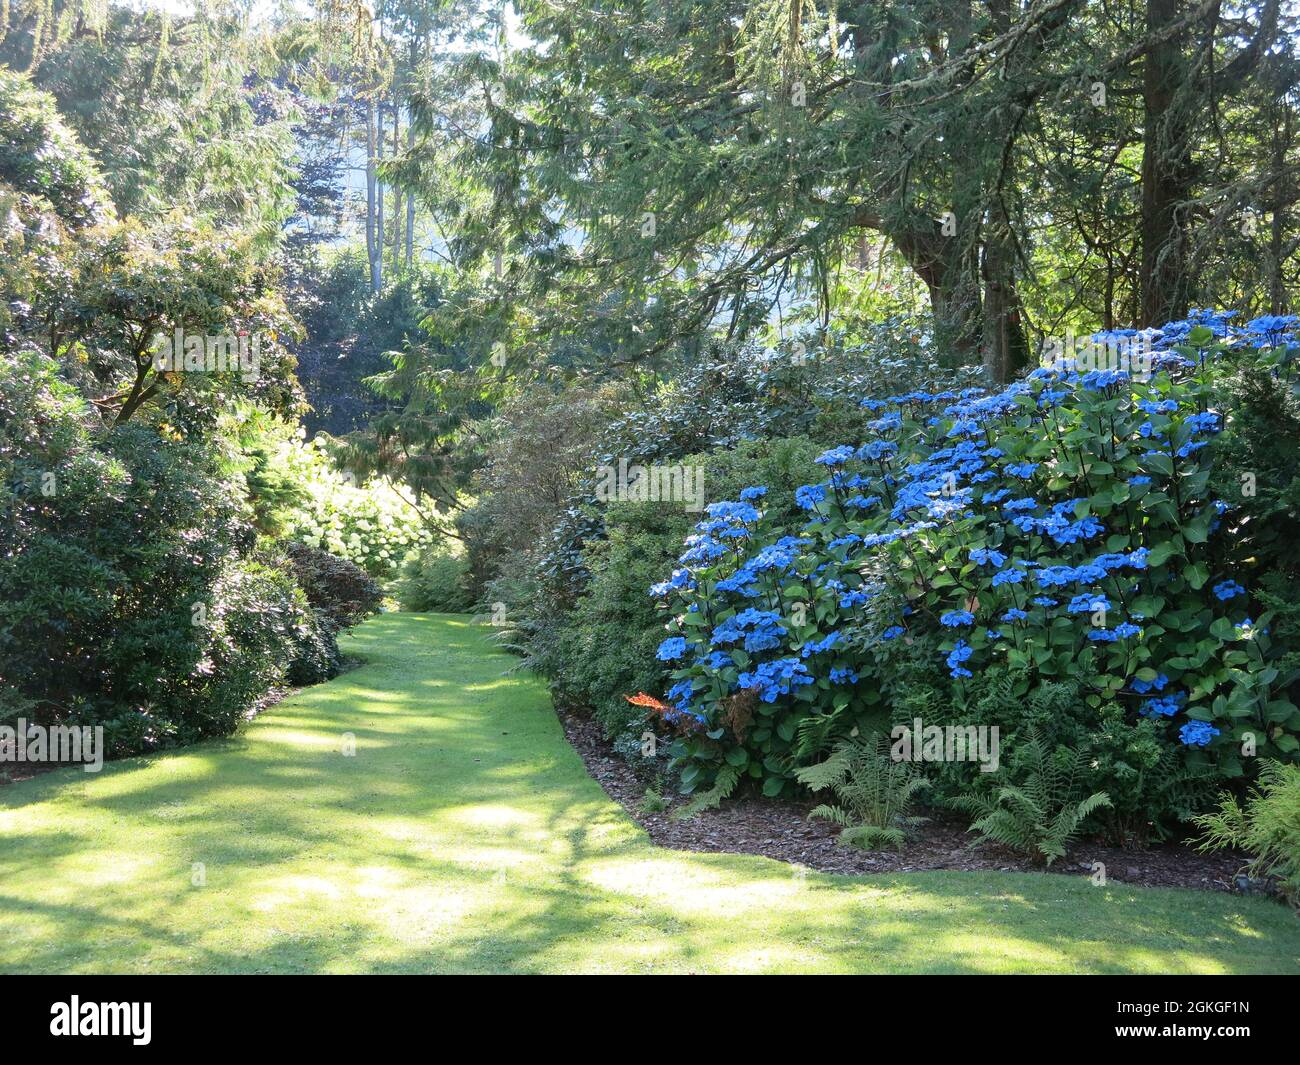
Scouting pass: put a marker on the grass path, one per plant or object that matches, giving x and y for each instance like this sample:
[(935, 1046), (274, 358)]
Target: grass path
[(464, 835)]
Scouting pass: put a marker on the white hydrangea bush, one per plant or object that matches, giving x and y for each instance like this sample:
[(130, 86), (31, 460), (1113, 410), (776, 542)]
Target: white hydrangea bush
[(369, 524)]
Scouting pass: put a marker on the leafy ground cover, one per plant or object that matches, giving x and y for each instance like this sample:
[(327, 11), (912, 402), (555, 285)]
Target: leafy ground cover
[(464, 835)]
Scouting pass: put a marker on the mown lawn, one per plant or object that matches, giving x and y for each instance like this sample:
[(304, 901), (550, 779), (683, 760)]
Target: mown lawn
[(464, 835)]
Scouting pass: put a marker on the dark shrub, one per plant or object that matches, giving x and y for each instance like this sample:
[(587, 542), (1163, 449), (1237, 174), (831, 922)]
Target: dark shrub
[(130, 594), (340, 594), (340, 590), (1258, 466)]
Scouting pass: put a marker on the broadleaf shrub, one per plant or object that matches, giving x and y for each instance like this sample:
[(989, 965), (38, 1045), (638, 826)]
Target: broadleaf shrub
[(604, 646), (341, 594), (340, 590), (435, 580), (119, 604), (1064, 528)]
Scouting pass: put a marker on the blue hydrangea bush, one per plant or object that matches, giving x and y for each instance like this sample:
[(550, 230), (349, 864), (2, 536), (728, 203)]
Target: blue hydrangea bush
[(1063, 527)]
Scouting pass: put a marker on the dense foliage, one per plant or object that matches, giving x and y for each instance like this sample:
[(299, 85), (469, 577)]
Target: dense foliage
[(117, 605), (436, 580), (146, 585), (40, 156), (1062, 530), (1267, 826)]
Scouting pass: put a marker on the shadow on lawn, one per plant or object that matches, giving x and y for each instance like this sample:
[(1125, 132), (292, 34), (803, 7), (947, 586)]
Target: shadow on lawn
[(465, 836)]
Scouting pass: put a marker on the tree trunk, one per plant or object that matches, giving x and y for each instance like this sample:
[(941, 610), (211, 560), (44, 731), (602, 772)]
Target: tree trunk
[(1166, 172), (1004, 348), (397, 191), (943, 263), (372, 188), (377, 268), (1282, 197), (410, 203)]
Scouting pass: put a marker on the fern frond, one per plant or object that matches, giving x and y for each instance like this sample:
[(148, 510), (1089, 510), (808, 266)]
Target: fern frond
[(874, 791), (1001, 827), (1038, 816), (974, 805), (910, 788), (828, 773), (812, 734), (831, 813), (723, 785), (872, 837), (1093, 803), (1051, 849), (1019, 800)]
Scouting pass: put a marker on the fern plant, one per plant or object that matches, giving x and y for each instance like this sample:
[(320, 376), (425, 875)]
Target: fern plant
[(652, 802), (723, 785), (874, 792), (813, 735), (1268, 827), (1040, 816)]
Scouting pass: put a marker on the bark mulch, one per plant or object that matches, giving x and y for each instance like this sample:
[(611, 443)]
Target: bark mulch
[(751, 824)]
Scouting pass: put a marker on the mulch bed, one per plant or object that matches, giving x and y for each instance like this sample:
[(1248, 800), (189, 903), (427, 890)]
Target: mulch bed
[(751, 824)]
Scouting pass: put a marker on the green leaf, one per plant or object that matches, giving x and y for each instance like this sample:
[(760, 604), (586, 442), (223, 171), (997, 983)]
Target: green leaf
[(1197, 531), (1223, 629), (1161, 553)]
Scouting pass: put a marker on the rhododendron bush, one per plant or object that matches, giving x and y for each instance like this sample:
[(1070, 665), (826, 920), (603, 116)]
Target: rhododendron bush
[(1062, 529)]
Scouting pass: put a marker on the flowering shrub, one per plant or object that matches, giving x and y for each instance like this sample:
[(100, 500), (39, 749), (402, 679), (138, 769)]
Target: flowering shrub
[(369, 525), (1063, 527), (601, 646)]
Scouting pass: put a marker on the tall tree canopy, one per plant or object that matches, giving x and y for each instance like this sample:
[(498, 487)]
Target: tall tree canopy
[(645, 171)]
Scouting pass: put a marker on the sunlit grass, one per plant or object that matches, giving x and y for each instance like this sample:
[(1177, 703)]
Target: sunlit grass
[(464, 835)]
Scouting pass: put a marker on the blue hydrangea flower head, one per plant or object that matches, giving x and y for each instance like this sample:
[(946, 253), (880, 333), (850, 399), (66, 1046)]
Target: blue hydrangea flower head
[(671, 649), (1225, 590), (1197, 733)]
